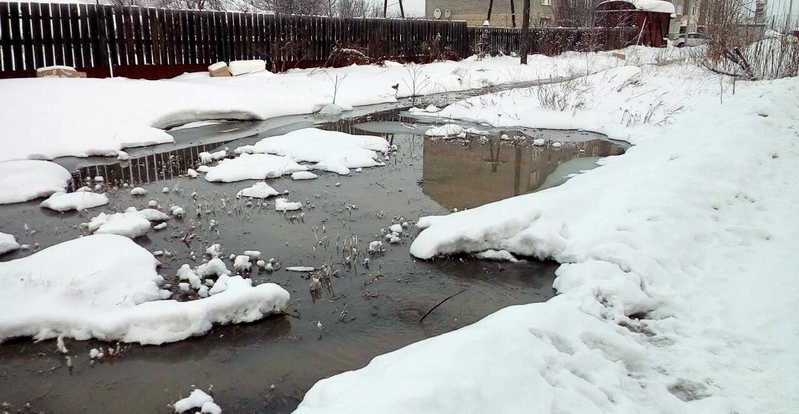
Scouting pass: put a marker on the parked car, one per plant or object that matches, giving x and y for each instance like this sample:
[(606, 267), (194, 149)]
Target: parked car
[(690, 39)]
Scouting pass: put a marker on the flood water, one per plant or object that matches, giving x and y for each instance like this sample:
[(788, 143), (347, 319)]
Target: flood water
[(266, 367)]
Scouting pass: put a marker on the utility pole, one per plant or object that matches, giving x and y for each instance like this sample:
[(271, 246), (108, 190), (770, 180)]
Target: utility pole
[(524, 45)]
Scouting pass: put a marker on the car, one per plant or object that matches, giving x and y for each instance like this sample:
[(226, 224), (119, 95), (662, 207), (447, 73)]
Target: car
[(690, 39)]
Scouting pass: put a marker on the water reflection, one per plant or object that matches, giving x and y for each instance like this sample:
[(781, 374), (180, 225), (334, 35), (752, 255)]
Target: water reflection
[(467, 174)]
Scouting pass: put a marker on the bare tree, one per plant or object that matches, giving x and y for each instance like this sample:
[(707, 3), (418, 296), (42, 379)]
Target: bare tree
[(736, 44), (313, 7), (356, 8)]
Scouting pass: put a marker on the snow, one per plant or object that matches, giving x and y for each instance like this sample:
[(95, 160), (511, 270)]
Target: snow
[(79, 200), (8, 243), (300, 269), (216, 66), (84, 116), (138, 191), (106, 287), (677, 288), (447, 130), (21, 181), (252, 167), (209, 157), (303, 175), (242, 67), (282, 204), (331, 150), (197, 399), (130, 224), (491, 254), (258, 190)]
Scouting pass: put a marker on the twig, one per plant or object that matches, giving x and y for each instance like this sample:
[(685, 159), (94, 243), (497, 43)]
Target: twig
[(442, 302)]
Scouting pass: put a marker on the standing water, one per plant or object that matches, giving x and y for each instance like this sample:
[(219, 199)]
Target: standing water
[(368, 309)]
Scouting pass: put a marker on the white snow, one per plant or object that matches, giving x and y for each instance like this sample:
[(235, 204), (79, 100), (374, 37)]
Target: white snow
[(300, 269), (242, 67), (282, 204), (210, 157), (303, 175), (21, 181), (130, 224), (252, 167), (8, 243), (446, 130), (106, 287), (242, 263), (258, 190), (395, 228), (84, 116), (491, 254), (197, 399), (138, 191), (78, 200), (330, 150), (678, 284)]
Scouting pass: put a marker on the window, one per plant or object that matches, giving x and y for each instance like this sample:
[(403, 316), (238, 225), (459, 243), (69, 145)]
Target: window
[(546, 2)]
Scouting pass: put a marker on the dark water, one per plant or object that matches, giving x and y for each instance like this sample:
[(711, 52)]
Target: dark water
[(266, 367)]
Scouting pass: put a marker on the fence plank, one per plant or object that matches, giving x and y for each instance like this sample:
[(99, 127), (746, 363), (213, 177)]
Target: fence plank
[(137, 39)]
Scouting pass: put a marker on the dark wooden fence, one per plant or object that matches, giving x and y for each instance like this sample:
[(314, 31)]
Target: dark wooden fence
[(157, 43), (34, 35), (554, 40)]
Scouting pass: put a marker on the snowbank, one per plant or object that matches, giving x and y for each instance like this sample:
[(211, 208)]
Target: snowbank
[(102, 116), (8, 243), (678, 286), (21, 181), (252, 167), (79, 200), (106, 287), (330, 150)]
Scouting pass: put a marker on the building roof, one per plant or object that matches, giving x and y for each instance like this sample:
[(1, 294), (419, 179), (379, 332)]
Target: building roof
[(657, 6)]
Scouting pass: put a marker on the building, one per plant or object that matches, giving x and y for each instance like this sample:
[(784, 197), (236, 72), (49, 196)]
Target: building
[(474, 12), (651, 17)]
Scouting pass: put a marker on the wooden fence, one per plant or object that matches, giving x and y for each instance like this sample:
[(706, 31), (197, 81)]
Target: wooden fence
[(157, 43), (87, 36), (554, 40)]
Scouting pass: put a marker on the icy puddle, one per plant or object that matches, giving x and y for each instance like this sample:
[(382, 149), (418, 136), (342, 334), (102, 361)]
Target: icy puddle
[(367, 308)]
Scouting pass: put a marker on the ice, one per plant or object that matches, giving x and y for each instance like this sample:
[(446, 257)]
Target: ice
[(214, 267), (138, 191), (192, 173), (331, 150), (282, 204), (151, 214), (254, 254), (258, 190), (21, 181), (396, 228), (252, 167), (8, 243)]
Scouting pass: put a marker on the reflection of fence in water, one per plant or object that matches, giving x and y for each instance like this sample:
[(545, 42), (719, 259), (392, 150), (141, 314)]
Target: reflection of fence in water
[(470, 175), (146, 169)]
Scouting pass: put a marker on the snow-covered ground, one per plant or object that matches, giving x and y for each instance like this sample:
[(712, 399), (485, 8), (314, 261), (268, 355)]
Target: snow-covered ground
[(103, 116), (678, 284), (678, 258)]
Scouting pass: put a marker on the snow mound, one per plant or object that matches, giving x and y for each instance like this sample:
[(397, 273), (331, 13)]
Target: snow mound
[(242, 67), (130, 224), (258, 190), (79, 200), (303, 175), (106, 287), (448, 130), (25, 180), (8, 243), (282, 204), (252, 167), (330, 150)]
